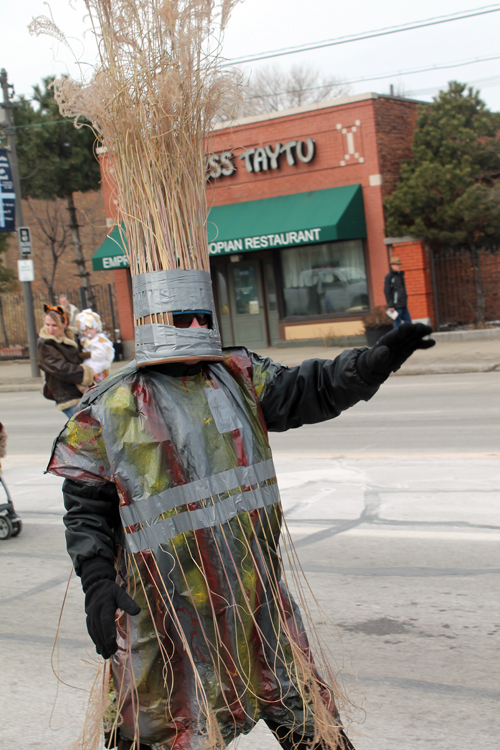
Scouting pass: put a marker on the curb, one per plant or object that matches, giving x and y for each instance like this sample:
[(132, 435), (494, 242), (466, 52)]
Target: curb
[(435, 369), (447, 369), (482, 334)]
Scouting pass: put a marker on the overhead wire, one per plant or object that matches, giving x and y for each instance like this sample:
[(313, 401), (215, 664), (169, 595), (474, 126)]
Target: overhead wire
[(386, 31), (395, 74)]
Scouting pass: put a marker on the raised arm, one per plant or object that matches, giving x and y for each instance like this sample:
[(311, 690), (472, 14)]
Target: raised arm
[(318, 389)]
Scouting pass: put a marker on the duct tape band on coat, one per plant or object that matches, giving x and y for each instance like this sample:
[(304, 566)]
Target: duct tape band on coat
[(154, 536), (145, 511), (173, 291)]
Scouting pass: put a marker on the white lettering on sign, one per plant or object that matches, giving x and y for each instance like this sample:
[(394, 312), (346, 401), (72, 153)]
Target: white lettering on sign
[(265, 240), (220, 164), (261, 158), (118, 261), (226, 246), (25, 270)]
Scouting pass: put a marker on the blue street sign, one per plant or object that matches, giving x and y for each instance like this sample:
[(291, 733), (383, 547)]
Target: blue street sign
[(7, 195)]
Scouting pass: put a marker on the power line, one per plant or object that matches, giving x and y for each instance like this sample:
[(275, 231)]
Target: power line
[(367, 35), (485, 83), (446, 66)]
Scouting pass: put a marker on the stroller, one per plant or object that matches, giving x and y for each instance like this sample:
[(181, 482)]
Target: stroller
[(10, 523)]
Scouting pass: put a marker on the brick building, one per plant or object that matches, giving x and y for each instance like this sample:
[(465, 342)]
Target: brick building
[(296, 226)]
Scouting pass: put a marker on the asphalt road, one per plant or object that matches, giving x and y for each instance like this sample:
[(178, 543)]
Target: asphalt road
[(411, 414), (394, 511)]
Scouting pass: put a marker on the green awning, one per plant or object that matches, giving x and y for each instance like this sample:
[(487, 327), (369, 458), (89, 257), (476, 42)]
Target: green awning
[(287, 220), (111, 254)]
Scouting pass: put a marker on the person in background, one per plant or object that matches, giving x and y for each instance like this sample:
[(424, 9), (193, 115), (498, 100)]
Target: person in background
[(71, 312), (95, 344), (395, 293), (3, 443), (66, 377)]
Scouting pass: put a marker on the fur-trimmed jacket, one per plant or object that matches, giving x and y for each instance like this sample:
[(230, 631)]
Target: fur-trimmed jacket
[(64, 371)]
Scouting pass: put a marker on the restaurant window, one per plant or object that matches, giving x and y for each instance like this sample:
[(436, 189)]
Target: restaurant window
[(324, 279)]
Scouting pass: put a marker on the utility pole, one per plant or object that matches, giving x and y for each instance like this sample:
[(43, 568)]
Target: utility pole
[(7, 106), (79, 257)]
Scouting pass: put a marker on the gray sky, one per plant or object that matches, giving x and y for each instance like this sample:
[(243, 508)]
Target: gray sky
[(262, 25)]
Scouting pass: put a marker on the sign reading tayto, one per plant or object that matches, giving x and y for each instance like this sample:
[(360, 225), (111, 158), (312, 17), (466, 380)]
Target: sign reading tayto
[(7, 195), (262, 158)]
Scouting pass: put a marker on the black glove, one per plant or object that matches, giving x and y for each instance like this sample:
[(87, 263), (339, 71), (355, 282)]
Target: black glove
[(376, 364), (103, 596)]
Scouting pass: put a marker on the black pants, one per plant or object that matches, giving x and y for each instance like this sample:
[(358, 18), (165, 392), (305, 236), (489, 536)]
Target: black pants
[(286, 740)]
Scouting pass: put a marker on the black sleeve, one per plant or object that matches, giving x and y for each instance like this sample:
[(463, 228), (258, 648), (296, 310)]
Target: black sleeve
[(314, 391), (388, 290), (92, 521)]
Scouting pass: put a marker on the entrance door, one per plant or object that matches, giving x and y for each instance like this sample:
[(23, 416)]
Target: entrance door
[(271, 302), (249, 323)]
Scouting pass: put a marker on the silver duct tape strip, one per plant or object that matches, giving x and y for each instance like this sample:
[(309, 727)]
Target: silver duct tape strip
[(146, 510), (166, 291), (155, 341), (204, 518), (225, 416)]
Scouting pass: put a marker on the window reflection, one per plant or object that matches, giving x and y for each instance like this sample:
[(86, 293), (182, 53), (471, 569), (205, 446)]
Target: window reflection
[(323, 279)]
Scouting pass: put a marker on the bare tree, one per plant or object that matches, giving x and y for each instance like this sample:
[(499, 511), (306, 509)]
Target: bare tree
[(53, 233), (272, 89)]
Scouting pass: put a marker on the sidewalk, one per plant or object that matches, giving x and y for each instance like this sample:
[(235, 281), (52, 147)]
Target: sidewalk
[(475, 354)]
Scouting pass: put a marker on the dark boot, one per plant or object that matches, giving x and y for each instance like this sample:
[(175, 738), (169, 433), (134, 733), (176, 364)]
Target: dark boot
[(115, 740), (298, 742), (129, 744)]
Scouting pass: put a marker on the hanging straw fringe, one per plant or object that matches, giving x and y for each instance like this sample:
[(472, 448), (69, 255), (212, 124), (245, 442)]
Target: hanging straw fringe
[(291, 663), (91, 737)]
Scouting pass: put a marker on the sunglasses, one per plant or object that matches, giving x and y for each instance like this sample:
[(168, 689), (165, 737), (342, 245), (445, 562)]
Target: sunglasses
[(185, 320)]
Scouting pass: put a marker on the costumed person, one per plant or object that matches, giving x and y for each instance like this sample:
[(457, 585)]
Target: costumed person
[(95, 344), (173, 515), (71, 312), (66, 376)]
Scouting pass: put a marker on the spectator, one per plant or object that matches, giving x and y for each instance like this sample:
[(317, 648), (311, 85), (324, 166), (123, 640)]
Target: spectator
[(66, 378), (70, 310), (95, 344), (395, 293)]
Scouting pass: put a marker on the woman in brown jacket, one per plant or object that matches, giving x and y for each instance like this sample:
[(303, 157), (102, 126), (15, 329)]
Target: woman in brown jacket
[(66, 377)]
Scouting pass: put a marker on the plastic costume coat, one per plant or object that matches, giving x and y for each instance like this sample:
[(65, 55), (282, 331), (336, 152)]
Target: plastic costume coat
[(219, 641)]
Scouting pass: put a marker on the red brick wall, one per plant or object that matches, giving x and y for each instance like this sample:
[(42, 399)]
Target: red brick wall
[(395, 125), (124, 302), (416, 265)]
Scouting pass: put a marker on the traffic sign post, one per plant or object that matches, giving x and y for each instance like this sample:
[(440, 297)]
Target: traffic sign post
[(6, 107), (24, 235), (25, 270)]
